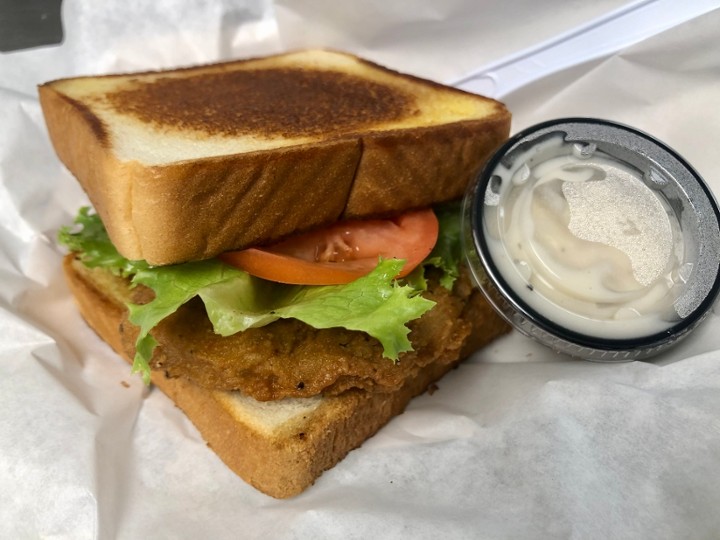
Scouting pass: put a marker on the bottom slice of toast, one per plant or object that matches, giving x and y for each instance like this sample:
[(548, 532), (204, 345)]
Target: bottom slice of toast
[(280, 447)]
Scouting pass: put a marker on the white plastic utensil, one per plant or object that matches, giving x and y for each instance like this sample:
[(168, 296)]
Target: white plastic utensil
[(598, 38)]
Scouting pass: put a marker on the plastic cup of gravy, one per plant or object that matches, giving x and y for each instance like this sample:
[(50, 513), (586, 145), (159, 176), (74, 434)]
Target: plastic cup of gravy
[(594, 238)]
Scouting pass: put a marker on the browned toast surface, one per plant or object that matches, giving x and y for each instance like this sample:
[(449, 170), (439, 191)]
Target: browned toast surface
[(275, 103)]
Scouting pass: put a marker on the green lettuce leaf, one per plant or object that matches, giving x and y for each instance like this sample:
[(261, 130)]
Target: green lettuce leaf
[(92, 244), (375, 304), (447, 253), (235, 301), (173, 286)]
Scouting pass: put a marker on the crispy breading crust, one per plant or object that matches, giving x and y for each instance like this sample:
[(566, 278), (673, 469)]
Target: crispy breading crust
[(291, 359)]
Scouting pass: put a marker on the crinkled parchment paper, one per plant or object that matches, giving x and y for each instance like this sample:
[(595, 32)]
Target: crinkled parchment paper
[(516, 443)]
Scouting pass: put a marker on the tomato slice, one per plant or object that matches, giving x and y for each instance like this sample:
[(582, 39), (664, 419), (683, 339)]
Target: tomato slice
[(342, 252)]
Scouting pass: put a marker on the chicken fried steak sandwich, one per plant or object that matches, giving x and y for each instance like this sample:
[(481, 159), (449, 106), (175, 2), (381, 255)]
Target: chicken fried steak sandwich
[(275, 244)]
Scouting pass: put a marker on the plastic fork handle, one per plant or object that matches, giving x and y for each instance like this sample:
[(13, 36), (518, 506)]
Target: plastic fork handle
[(598, 38)]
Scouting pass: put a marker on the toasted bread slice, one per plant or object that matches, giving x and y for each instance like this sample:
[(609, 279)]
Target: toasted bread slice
[(188, 163), (282, 446)]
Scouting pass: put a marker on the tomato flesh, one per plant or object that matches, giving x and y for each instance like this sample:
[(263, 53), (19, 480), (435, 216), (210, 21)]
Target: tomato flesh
[(343, 251)]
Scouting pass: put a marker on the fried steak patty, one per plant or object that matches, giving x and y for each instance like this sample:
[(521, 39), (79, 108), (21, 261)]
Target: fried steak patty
[(291, 359)]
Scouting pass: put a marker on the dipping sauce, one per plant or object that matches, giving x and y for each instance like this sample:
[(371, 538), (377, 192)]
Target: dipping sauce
[(584, 240), (595, 239)]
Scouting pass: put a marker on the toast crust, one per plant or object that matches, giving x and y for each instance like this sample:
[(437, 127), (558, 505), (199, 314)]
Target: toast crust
[(280, 457), (212, 190)]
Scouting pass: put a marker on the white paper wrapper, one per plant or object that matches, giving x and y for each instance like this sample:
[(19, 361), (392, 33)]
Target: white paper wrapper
[(516, 443)]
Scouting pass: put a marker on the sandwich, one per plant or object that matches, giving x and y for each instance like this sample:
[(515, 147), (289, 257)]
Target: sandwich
[(275, 244)]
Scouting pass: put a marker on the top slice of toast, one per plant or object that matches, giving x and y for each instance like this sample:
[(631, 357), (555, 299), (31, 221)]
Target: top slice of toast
[(187, 163)]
